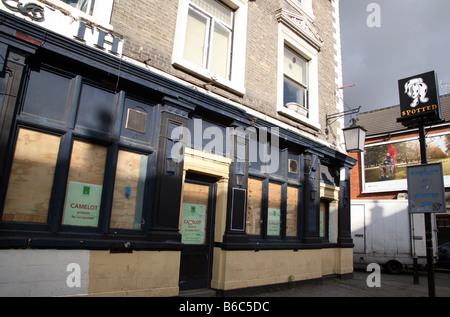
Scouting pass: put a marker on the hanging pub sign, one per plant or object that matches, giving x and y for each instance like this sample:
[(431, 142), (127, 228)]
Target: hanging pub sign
[(419, 100)]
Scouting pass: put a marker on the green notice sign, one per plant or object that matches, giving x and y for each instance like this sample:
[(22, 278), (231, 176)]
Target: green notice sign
[(193, 224), (83, 204), (273, 221)]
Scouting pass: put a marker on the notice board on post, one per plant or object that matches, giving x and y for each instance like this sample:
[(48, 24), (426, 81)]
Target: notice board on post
[(426, 192)]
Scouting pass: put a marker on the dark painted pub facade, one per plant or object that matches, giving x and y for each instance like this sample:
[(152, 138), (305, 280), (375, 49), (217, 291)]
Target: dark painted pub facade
[(85, 166)]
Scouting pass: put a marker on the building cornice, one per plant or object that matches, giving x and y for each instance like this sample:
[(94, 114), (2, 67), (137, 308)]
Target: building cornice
[(301, 26)]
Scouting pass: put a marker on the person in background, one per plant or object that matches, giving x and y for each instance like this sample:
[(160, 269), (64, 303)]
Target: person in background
[(393, 153)]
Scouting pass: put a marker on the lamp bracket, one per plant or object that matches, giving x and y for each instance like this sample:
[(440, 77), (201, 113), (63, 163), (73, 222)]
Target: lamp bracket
[(341, 114)]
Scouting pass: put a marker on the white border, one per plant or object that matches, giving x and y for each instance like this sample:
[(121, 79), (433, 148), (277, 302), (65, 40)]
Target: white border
[(394, 185)]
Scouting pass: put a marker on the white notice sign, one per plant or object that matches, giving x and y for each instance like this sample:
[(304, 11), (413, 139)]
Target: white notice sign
[(426, 192)]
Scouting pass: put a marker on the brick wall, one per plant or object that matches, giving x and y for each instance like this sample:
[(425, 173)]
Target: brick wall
[(262, 56), (148, 28), (327, 64)]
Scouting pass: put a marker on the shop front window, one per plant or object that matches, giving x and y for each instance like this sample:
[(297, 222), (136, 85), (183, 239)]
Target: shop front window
[(31, 178), (254, 204), (85, 185), (292, 211), (129, 187), (273, 199), (81, 161), (274, 210)]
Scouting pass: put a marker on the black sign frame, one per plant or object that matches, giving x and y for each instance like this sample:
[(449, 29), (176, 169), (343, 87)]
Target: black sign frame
[(419, 100)]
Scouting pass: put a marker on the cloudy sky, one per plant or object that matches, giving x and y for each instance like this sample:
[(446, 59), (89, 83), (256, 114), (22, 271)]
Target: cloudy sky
[(413, 37)]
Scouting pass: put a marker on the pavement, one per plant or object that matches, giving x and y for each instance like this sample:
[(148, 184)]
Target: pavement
[(310, 294), (401, 285)]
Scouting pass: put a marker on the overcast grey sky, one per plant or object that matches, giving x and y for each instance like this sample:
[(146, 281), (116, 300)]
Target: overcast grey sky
[(413, 38)]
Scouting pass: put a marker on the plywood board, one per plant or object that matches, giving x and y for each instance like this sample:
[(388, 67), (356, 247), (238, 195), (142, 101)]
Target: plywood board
[(31, 179), (87, 166), (194, 213), (292, 211), (274, 210), (254, 201), (195, 194), (127, 198)]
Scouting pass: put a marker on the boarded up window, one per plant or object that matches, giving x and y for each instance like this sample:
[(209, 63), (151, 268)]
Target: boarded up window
[(84, 189), (31, 179), (323, 227), (129, 186), (274, 210), (291, 211), (254, 206)]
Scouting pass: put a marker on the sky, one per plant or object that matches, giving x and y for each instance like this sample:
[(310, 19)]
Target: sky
[(387, 40)]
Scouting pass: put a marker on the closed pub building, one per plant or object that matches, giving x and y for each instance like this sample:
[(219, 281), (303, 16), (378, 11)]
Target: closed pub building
[(149, 147)]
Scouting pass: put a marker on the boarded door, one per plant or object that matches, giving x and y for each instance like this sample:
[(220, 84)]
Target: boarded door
[(196, 232)]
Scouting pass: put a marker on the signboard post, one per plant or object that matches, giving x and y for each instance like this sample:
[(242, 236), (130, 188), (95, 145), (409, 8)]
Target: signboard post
[(419, 105)]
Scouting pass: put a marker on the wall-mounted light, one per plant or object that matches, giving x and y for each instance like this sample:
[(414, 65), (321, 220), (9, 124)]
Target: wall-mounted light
[(239, 179), (354, 135), (171, 166)]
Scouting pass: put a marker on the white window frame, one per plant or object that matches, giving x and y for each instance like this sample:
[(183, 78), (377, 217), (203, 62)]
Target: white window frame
[(101, 14), (287, 37), (236, 80), (302, 84)]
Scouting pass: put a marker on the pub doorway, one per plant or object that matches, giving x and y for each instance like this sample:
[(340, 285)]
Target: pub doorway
[(197, 231)]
